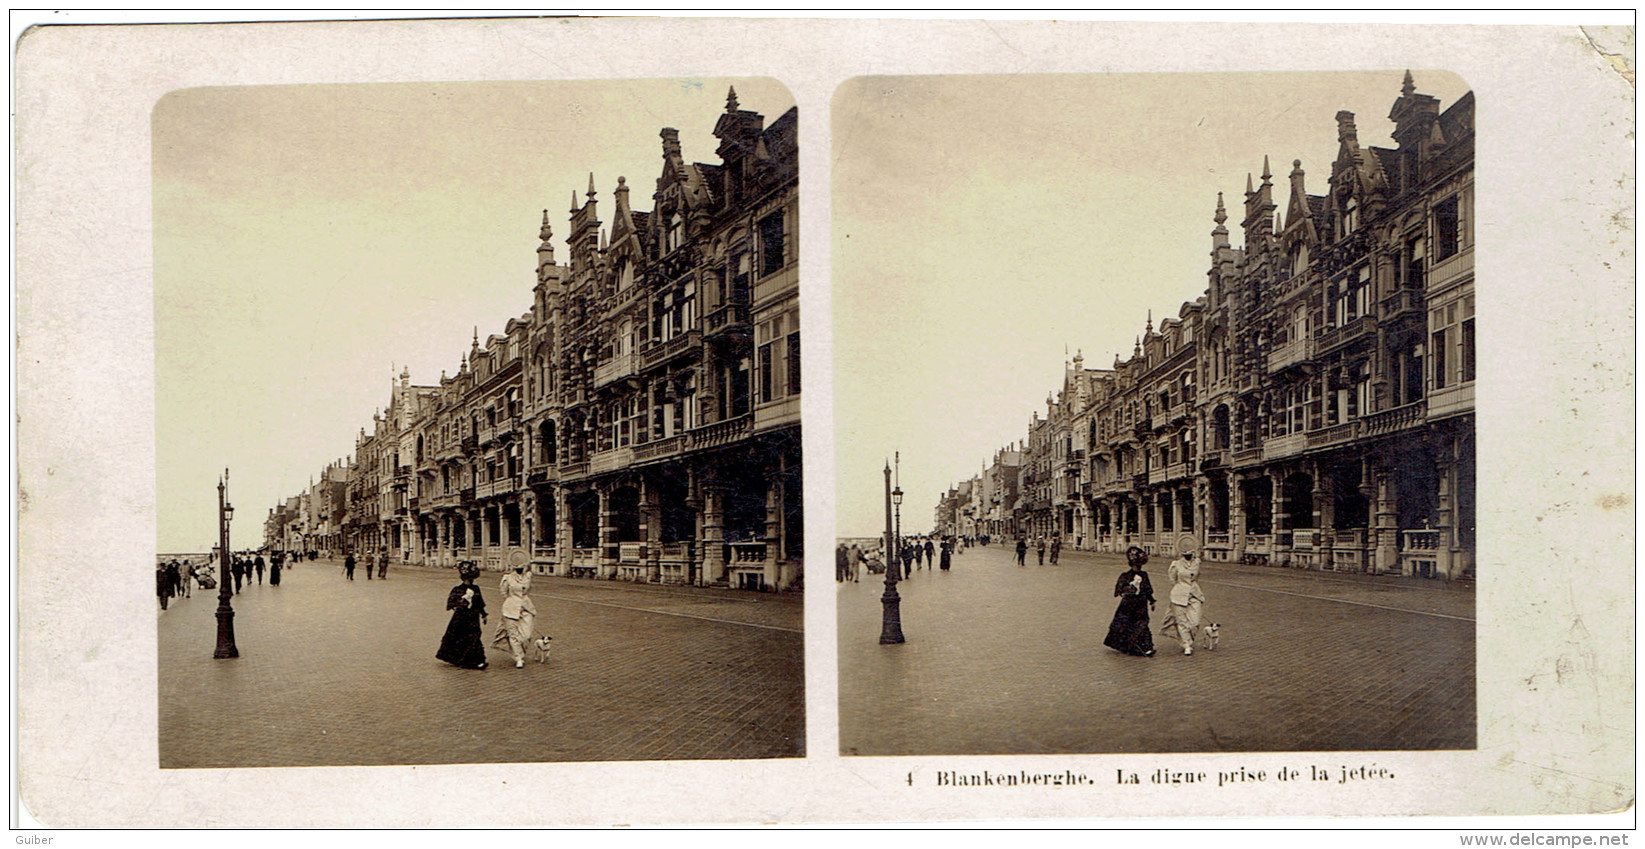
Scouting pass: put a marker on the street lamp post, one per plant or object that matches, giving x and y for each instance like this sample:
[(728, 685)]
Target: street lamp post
[(891, 620), (225, 612)]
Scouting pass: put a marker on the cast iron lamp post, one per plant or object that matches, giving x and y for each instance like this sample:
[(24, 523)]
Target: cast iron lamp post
[(891, 620), (225, 612)]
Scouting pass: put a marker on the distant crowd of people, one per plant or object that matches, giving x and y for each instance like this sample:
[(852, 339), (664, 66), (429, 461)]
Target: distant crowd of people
[(915, 552), (177, 577)]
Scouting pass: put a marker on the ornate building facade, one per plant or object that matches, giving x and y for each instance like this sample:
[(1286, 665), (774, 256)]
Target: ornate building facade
[(641, 421), (1315, 407)]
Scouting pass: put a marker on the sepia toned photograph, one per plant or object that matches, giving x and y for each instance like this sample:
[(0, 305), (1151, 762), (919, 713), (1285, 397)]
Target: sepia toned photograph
[(497, 480), (447, 374), (1166, 386)]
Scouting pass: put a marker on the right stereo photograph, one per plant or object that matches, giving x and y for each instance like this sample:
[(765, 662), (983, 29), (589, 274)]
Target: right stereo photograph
[(1154, 413)]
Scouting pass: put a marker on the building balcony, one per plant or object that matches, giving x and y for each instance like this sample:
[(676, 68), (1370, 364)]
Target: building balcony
[(1403, 303), (471, 444), (729, 318), (1288, 445), (501, 486), (571, 471), (1421, 541), (1213, 459), (465, 496), (1451, 401), (659, 353), (415, 502), (1175, 471), (615, 369), (1292, 353), (1340, 337), (610, 461), (1396, 419), (746, 554), (542, 475), (723, 432), (1247, 456), (1449, 270), (1218, 539), (1336, 434), (661, 449), (1139, 480)]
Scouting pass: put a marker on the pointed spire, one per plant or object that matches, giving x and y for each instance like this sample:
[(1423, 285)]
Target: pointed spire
[(547, 231), (731, 98), (1149, 327), (591, 192), (1409, 87), (1220, 217), (1249, 191), (574, 200), (1267, 173)]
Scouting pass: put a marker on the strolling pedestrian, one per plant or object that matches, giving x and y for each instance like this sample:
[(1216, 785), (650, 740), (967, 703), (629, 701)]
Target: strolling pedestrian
[(947, 548), (928, 549), (239, 572), (162, 584), (1128, 632), (842, 563), (519, 615), (382, 565), (274, 569), (184, 579), (348, 565), (1022, 551), (1056, 549), (461, 644), (1039, 545), (907, 560), (258, 563), (371, 565), (1182, 621), (854, 563)]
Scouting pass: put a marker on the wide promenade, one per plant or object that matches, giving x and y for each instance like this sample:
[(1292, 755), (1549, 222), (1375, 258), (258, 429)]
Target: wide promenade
[(337, 672), (1004, 659)]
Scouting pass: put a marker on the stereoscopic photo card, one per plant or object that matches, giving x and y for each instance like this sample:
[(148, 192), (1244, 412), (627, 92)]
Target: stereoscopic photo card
[(448, 374)]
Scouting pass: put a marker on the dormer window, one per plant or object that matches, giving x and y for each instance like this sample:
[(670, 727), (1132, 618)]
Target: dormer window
[(1350, 216), (673, 233)]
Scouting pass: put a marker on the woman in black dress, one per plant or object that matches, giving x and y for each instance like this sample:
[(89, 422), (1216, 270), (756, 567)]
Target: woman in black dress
[(461, 645), (1128, 632)]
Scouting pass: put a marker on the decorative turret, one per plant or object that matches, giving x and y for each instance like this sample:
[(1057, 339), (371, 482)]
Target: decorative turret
[(1259, 207), (1414, 116), (1219, 233), (545, 248)]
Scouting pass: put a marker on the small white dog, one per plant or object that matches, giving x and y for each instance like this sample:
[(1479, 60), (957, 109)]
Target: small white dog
[(543, 644), (1209, 634)]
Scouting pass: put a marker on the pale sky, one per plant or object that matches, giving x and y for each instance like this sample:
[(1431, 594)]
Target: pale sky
[(310, 241), (985, 225)]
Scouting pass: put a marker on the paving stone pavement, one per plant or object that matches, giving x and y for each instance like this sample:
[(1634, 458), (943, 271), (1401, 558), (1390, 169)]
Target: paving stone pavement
[(1002, 659), (336, 672)]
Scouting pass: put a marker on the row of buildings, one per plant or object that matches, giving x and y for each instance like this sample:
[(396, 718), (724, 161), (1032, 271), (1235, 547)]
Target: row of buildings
[(641, 421), (1314, 408)]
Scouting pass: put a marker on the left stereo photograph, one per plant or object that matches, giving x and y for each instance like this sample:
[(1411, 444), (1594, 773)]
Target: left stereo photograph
[(450, 473)]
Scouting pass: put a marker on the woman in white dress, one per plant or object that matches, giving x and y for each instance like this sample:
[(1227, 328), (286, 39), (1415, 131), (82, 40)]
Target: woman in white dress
[(1186, 600), (519, 614)]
